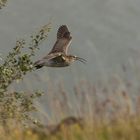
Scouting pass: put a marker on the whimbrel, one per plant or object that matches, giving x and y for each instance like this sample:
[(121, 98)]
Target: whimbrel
[(58, 56)]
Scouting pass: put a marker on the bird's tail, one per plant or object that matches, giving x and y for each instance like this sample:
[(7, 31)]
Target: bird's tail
[(39, 64)]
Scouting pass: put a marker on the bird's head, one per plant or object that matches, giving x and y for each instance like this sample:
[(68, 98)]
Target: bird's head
[(73, 58)]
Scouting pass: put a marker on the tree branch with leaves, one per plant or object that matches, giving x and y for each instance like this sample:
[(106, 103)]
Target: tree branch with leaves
[(16, 64), (2, 3)]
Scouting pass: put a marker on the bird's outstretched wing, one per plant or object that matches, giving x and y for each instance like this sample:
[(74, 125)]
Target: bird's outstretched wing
[(63, 32), (42, 62), (63, 40)]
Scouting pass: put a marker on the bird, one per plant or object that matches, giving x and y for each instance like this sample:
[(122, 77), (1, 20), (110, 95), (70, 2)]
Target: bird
[(58, 56)]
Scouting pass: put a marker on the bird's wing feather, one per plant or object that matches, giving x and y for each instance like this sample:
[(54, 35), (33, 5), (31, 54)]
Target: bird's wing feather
[(61, 45), (63, 40), (53, 55), (63, 32), (40, 63)]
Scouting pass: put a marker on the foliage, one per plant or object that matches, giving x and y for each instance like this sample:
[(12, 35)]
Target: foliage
[(2, 3), (17, 63)]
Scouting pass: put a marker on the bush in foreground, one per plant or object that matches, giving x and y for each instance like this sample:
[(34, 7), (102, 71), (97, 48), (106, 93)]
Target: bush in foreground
[(17, 105)]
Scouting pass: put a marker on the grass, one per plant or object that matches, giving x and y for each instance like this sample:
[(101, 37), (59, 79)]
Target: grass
[(121, 129), (96, 115)]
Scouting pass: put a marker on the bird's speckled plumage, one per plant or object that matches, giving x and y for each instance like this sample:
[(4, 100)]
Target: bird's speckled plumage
[(58, 56)]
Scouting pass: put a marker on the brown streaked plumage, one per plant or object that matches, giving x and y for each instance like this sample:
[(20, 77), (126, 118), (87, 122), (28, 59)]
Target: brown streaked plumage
[(58, 56)]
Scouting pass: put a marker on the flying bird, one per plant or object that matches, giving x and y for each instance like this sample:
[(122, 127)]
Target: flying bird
[(58, 56)]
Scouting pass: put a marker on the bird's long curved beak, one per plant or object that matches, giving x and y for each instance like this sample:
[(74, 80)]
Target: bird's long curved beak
[(81, 59)]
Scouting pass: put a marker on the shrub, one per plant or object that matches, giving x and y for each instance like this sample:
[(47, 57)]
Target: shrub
[(18, 62)]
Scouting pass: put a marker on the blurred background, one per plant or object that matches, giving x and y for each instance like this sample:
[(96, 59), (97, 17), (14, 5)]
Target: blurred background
[(105, 32)]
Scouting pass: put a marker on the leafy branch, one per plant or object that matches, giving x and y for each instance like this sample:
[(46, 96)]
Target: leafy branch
[(16, 64), (2, 3)]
